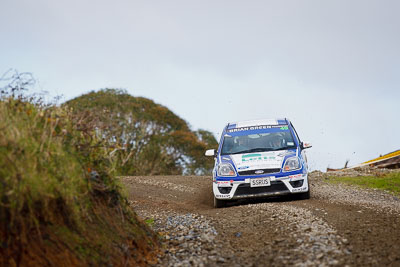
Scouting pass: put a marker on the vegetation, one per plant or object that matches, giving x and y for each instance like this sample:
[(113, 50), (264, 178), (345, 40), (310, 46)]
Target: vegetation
[(59, 197), (389, 182), (58, 194), (146, 138)]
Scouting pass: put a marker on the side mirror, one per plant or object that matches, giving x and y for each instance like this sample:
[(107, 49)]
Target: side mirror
[(305, 145), (210, 153)]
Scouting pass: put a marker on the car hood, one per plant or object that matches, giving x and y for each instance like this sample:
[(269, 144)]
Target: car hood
[(260, 160)]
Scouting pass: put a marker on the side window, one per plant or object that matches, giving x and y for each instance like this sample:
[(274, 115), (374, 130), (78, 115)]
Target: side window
[(221, 139), (295, 132)]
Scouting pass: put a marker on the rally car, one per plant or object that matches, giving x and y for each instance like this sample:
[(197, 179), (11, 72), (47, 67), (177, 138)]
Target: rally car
[(259, 158)]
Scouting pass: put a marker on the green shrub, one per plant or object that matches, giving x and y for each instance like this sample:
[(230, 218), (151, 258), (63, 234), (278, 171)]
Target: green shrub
[(57, 183), (47, 166)]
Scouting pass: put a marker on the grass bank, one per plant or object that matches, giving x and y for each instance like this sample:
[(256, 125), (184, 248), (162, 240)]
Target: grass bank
[(389, 182), (60, 204)]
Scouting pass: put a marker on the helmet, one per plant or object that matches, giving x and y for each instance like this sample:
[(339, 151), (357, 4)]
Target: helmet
[(241, 139), (277, 140)]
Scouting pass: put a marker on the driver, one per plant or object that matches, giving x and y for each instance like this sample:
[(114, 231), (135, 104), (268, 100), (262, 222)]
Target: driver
[(241, 144), (276, 141)]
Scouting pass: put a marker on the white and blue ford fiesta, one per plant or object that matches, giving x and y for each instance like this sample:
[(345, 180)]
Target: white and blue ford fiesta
[(259, 158)]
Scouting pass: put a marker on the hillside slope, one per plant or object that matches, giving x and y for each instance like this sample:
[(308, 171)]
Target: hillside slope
[(60, 204)]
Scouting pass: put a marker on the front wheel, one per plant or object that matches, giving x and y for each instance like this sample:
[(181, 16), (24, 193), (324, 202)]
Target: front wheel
[(305, 195), (219, 203)]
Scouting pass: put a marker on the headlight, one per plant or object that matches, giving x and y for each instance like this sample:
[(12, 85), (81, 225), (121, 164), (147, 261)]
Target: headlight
[(291, 164), (226, 169)]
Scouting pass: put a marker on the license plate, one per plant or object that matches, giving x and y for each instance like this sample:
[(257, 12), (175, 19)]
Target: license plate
[(256, 182)]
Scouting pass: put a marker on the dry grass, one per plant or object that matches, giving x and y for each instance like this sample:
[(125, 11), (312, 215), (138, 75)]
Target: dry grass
[(57, 173), (40, 172)]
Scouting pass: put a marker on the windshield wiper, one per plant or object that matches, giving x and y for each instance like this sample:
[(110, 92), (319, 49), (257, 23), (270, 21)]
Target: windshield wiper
[(259, 149)]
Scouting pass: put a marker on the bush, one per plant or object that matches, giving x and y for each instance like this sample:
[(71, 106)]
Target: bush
[(57, 180), (50, 166)]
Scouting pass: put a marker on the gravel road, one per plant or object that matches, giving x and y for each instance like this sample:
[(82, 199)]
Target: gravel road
[(339, 226)]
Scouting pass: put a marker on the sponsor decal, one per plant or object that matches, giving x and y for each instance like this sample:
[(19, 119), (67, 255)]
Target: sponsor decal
[(255, 161), (259, 127), (256, 157), (243, 167), (259, 172), (295, 176), (222, 196), (224, 184), (300, 189), (285, 153), (253, 157)]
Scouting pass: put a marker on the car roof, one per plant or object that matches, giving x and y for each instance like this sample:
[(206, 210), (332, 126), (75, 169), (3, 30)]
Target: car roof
[(258, 122)]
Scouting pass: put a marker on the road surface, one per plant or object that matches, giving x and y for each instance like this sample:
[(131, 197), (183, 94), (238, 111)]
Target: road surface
[(338, 226)]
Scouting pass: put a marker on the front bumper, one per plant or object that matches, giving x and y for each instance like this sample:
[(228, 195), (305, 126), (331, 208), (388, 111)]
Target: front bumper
[(279, 186)]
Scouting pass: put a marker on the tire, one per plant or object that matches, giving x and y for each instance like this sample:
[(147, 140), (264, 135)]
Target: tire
[(219, 203), (305, 195)]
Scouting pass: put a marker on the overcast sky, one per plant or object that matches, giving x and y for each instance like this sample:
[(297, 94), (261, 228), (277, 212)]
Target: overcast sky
[(332, 67)]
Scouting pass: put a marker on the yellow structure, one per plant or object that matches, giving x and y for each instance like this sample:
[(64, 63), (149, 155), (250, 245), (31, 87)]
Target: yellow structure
[(384, 157)]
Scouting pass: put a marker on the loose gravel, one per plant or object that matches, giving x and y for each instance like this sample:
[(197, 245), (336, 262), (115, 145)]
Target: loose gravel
[(318, 244), (339, 226), (157, 182), (189, 238)]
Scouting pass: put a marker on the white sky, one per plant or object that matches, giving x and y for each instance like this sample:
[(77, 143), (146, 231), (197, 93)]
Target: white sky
[(332, 67)]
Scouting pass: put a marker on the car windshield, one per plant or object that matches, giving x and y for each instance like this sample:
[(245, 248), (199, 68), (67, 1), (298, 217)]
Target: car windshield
[(257, 141)]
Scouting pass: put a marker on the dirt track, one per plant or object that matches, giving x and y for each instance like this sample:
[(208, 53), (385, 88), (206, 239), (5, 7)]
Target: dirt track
[(338, 226)]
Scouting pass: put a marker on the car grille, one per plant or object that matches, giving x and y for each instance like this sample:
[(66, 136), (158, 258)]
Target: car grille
[(276, 186), (265, 171)]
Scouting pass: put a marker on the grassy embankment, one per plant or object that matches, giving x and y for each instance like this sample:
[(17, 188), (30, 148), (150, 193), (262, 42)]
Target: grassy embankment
[(389, 182), (59, 202)]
